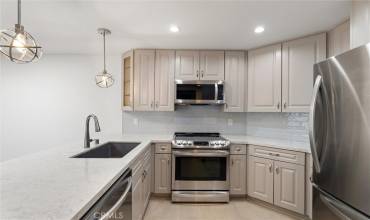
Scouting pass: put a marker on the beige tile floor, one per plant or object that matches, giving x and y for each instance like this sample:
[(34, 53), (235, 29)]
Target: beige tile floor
[(237, 209)]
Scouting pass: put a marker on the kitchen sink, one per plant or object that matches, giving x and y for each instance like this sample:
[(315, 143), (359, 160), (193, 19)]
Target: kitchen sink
[(108, 150)]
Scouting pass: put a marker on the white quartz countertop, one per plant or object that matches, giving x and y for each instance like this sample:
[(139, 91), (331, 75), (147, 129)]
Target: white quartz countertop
[(51, 185)]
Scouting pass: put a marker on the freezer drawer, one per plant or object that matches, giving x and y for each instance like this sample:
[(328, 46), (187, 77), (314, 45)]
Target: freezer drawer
[(326, 207)]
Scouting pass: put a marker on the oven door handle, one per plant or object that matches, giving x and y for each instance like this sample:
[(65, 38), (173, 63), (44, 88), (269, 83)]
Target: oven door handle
[(211, 153)]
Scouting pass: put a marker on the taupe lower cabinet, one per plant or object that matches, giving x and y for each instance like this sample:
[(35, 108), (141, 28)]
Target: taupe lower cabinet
[(261, 179), (200, 65), (277, 182), (238, 170), (153, 77), (264, 79), (235, 81), (162, 182), (141, 184)]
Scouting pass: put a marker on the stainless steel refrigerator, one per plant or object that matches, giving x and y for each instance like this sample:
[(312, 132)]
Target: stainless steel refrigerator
[(340, 136)]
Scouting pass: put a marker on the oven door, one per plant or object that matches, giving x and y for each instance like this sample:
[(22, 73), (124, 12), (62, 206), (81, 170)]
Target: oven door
[(200, 170)]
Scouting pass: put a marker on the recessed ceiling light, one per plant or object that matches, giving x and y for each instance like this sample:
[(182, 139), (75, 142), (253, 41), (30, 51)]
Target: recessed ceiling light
[(259, 29), (174, 29)]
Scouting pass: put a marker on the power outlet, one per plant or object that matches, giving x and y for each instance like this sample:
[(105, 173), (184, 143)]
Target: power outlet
[(136, 121), (230, 122)]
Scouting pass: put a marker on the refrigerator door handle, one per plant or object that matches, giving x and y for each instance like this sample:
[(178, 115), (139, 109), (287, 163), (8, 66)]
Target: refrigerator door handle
[(315, 157)]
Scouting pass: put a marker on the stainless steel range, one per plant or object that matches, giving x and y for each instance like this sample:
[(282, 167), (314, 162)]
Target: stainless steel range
[(200, 167)]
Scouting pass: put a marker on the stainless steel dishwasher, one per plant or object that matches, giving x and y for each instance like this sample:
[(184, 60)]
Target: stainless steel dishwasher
[(116, 203)]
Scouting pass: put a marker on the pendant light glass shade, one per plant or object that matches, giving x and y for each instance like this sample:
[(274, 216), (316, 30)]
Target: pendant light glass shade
[(104, 80), (18, 45)]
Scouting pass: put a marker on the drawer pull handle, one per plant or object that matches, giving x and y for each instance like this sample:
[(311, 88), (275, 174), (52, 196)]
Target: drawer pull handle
[(238, 149), (163, 148)]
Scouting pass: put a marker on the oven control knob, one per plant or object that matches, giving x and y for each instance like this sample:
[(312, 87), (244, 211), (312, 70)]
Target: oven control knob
[(190, 143)]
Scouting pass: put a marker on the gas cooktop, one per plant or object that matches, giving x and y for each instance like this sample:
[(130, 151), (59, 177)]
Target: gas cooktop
[(199, 140)]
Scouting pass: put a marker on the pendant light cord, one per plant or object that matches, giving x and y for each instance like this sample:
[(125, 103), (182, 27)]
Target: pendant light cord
[(104, 49), (19, 12)]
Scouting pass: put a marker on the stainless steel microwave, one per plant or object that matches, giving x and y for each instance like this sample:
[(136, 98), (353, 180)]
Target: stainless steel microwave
[(200, 92)]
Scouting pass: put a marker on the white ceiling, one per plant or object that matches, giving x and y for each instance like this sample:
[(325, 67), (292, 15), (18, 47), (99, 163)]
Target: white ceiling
[(70, 26)]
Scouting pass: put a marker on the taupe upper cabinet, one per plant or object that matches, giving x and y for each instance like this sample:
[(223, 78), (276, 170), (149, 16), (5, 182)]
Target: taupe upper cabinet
[(235, 81), (187, 64), (144, 80), (200, 65), (298, 57), (212, 65), (164, 80), (264, 79), (154, 72)]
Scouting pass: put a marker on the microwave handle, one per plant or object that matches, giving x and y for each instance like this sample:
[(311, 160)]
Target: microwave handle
[(120, 201), (216, 92)]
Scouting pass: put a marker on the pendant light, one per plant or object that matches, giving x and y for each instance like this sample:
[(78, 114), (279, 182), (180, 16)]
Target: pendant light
[(104, 80), (18, 45)]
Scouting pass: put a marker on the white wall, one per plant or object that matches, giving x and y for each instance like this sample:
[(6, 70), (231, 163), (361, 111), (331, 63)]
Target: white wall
[(360, 23), (44, 104)]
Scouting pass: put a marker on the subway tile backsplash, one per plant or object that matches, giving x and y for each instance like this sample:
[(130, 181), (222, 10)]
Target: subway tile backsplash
[(185, 118), (292, 126), (212, 119)]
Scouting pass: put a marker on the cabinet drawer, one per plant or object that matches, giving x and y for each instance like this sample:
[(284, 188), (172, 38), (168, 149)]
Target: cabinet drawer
[(238, 149), (277, 154), (162, 148)]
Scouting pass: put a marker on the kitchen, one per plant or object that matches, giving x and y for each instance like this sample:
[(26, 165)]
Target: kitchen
[(175, 117)]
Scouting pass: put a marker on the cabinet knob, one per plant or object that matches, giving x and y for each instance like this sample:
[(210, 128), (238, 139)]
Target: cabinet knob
[(202, 72), (284, 105), (197, 73), (278, 105), (232, 162), (270, 168), (277, 170), (156, 104)]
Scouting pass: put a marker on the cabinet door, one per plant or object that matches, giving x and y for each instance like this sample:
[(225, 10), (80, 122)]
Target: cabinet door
[(338, 39), (299, 56), (162, 173), (238, 172), (164, 80), (146, 184), (260, 179), (289, 187), (212, 65), (235, 79), (137, 201), (264, 79), (144, 80), (128, 81), (187, 64)]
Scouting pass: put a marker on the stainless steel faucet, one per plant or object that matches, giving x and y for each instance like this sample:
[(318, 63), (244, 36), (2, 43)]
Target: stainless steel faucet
[(88, 140)]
